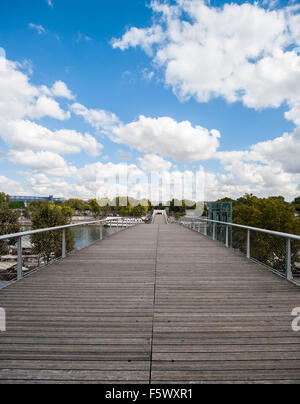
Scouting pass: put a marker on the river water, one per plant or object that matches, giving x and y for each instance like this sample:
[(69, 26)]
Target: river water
[(79, 235)]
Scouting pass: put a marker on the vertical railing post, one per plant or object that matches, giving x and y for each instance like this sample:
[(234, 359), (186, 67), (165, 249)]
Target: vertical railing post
[(248, 244), (214, 231), (86, 231), (20, 259), (205, 229), (289, 274), (101, 232), (63, 249), (227, 236)]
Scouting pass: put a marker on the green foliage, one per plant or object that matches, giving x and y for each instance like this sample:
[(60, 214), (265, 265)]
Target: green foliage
[(4, 200), (8, 222), (77, 204), (177, 206), (296, 203), (266, 213), (16, 205), (95, 207), (46, 214), (227, 200)]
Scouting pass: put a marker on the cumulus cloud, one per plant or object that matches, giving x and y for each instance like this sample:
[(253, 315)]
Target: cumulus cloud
[(42, 162), (99, 119), (20, 135), (145, 38), (152, 162), (45, 106), (19, 98), (61, 90), (178, 140), (10, 186), (238, 52), (282, 152), (2, 53)]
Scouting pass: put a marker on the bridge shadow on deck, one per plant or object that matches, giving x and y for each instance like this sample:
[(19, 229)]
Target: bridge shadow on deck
[(156, 303)]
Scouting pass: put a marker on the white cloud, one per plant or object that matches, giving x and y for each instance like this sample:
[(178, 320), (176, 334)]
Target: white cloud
[(145, 38), (50, 3), (282, 152), (41, 184), (19, 98), (42, 162), (46, 106), (99, 119), (39, 28), (152, 162), (179, 140), (97, 173), (294, 113), (27, 135), (61, 90), (2, 53), (10, 186), (238, 52)]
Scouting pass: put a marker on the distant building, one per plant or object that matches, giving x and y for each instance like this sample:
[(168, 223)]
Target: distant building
[(29, 199)]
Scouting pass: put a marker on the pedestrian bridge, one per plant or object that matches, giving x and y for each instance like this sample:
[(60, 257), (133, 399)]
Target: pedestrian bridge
[(153, 304)]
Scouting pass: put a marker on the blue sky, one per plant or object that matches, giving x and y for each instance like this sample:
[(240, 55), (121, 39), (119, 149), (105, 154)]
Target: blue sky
[(124, 59)]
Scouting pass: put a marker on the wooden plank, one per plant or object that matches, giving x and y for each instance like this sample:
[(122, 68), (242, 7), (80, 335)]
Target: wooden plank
[(216, 317)]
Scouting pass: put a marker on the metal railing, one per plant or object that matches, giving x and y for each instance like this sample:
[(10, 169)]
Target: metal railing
[(25, 252), (278, 251)]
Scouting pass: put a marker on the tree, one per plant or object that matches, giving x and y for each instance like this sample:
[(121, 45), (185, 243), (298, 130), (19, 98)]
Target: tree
[(95, 207), (8, 223), (49, 244), (139, 211), (267, 213), (16, 205), (296, 203), (77, 204), (4, 200)]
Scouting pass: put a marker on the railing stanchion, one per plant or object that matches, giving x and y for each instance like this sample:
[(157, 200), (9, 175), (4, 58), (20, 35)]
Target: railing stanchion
[(227, 236), (214, 231), (248, 244), (205, 229), (101, 232), (20, 259), (289, 274), (86, 230), (63, 249)]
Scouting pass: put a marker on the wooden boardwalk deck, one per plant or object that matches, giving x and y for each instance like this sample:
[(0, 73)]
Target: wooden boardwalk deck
[(156, 303)]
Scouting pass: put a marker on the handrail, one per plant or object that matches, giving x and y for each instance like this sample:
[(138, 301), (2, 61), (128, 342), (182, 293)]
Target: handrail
[(287, 236), (30, 232), (274, 233), (19, 236)]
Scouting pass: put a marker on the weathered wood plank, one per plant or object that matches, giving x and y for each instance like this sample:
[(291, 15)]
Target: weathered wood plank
[(216, 317)]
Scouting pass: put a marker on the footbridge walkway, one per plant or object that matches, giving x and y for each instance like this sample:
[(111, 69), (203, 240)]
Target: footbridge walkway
[(156, 303)]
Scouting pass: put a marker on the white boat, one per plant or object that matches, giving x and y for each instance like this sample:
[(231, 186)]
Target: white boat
[(123, 221)]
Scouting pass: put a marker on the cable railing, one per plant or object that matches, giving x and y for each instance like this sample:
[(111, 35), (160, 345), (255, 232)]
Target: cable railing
[(277, 251), (25, 252)]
